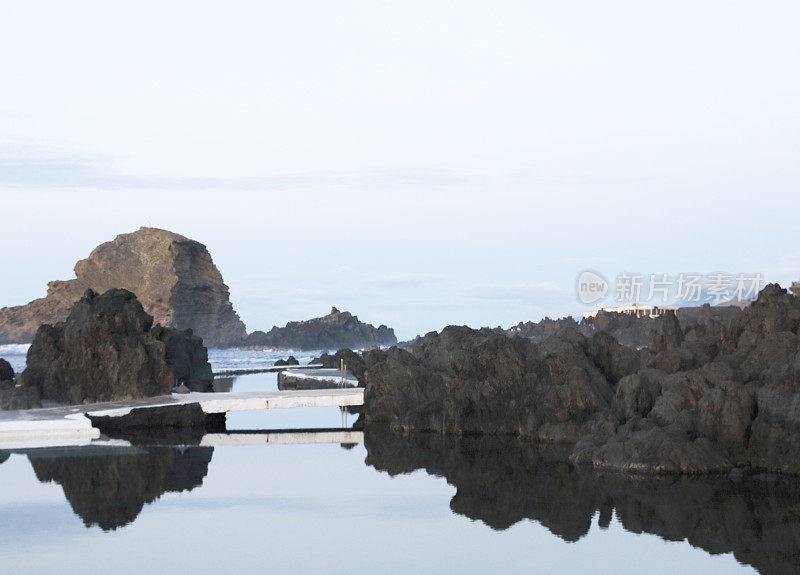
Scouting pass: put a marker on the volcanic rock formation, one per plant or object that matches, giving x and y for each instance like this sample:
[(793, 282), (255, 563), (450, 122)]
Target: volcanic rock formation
[(174, 278), (709, 398), (335, 330), (626, 329), (108, 349)]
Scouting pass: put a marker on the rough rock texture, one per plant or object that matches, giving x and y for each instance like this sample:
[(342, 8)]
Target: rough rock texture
[(708, 398), (174, 278), (503, 480), (467, 381), (110, 490), (6, 371), (635, 331), (354, 363), (170, 416), (539, 331), (336, 330), (291, 360), (627, 329), (108, 349)]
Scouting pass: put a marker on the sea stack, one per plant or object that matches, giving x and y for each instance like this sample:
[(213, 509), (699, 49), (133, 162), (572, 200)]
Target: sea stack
[(338, 329), (173, 277), (109, 349)]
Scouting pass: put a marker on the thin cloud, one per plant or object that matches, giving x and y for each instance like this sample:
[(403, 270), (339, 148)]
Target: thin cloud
[(33, 168)]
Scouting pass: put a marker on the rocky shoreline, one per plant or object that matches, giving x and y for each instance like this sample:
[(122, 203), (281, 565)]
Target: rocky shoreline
[(719, 394), (712, 398)]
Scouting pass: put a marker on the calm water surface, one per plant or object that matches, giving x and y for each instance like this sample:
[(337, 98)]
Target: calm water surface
[(392, 504)]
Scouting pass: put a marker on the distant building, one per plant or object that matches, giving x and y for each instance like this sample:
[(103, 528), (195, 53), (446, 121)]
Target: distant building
[(795, 289), (638, 310)]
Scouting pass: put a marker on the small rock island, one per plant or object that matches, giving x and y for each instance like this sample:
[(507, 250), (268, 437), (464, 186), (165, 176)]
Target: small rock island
[(338, 329)]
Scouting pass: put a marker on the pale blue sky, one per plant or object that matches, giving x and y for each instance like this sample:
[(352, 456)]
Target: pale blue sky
[(419, 163)]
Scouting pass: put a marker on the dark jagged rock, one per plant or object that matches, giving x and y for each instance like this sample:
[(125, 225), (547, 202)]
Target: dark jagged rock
[(627, 329), (635, 331), (667, 335), (708, 398), (354, 363), (541, 330), (291, 360), (333, 331), (501, 481), (730, 397), (110, 490), (169, 416), (108, 349), (6, 371), (174, 278), (468, 381)]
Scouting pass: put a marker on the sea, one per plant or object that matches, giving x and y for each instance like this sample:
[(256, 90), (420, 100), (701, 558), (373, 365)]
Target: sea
[(249, 501)]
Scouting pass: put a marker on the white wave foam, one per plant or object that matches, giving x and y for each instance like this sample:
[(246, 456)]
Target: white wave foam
[(15, 348)]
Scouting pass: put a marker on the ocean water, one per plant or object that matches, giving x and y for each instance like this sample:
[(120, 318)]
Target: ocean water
[(14, 353), (220, 359), (233, 359)]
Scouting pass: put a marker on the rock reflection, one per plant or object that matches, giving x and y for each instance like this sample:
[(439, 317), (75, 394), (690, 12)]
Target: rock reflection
[(501, 481), (110, 489)]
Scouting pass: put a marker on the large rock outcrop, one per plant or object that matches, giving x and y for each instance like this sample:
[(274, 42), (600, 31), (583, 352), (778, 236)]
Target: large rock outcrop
[(709, 398), (174, 278), (469, 381), (109, 349), (338, 329)]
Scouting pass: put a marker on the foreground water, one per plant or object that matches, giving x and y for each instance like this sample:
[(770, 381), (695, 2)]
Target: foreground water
[(398, 504)]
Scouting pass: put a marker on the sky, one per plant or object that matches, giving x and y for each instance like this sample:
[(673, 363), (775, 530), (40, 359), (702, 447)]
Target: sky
[(419, 164)]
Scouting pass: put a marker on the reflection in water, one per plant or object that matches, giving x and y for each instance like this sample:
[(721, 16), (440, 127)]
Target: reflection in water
[(501, 481), (110, 489)]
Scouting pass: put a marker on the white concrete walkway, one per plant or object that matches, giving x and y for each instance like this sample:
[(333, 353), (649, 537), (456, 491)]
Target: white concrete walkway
[(54, 425)]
